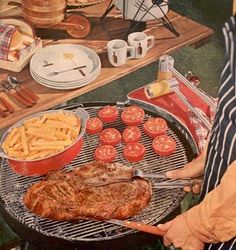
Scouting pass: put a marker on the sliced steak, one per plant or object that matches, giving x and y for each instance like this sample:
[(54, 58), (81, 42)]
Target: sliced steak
[(69, 196)]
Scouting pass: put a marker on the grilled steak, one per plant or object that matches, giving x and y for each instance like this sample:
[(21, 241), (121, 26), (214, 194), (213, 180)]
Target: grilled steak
[(71, 195)]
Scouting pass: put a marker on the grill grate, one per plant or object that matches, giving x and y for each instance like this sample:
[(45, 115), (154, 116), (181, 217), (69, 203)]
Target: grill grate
[(13, 187)]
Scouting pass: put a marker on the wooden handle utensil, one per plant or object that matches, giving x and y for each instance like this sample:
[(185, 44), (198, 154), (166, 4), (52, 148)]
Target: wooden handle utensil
[(16, 95), (7, 105), (2, 113), (24, 94), (139, 226), (30, 93)]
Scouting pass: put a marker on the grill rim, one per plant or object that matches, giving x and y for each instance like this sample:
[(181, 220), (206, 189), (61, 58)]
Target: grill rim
[(148, 110)]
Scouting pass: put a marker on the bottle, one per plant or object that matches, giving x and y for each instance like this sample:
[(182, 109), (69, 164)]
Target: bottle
[(115, 58), (139, 49), (165, 63)]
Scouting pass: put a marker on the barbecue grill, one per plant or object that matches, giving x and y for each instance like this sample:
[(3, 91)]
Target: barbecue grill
[(86, 234)]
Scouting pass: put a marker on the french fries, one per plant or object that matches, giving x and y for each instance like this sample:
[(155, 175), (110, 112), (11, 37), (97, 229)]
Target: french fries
[(42, 136)]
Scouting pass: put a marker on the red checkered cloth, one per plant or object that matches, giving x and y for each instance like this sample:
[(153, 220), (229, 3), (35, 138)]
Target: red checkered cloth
[(200, 130), (6, 32), (28, 49)]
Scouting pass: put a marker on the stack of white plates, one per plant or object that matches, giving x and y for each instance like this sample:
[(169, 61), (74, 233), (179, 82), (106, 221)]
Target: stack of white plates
[(65, 66)]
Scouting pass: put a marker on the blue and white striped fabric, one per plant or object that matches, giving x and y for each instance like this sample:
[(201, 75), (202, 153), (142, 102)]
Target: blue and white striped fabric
[(222, 145)]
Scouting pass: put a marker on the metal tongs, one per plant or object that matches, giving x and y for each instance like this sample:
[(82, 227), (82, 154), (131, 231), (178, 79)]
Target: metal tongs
[(137, 173)]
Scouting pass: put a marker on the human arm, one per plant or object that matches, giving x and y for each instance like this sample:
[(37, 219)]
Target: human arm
[(215, 217), (213, 220)]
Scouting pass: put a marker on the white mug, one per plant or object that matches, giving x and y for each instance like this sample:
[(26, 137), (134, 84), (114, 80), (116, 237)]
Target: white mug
[(141, 42), (119, 52)]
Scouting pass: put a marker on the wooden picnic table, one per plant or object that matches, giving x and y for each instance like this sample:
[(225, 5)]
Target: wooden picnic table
[(113, 26)]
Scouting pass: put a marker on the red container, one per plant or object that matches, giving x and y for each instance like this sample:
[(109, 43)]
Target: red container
[(43, 166)]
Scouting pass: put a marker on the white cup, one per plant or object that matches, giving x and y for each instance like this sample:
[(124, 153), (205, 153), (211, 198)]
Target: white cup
[(119, 52), (141, 42)]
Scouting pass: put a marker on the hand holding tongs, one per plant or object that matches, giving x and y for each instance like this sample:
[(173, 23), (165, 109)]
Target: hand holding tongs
[(167, 183)]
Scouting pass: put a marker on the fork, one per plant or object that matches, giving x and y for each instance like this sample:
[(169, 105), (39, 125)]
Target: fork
[(63, 71), (140, 173), (167, 183)]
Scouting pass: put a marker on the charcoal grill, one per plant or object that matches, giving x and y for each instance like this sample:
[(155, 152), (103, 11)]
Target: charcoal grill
[(93, 234)]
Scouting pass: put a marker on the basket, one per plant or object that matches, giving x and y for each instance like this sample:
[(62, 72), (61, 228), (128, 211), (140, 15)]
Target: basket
[(81, 3), (25, 53)]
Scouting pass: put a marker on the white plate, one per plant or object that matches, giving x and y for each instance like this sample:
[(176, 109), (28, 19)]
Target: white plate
[(64, 83), (98, 70), (62, 57), (65, 86)]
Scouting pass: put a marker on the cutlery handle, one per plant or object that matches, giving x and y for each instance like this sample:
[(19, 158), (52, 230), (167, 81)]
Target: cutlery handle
[(7, 105), (2, 113), (82, 72), (154, 175), (18, 97), (176, 183), (31, 94), (79, 67), (25, 96), (143, 227)]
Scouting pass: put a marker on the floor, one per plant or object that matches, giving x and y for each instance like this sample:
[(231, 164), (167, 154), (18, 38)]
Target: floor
[(205, 62)]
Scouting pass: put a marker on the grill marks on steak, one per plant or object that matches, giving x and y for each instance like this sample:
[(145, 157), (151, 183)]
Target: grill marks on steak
[(67, 195)]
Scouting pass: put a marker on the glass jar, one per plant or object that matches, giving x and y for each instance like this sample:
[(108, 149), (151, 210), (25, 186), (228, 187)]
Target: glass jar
[(164, 65)]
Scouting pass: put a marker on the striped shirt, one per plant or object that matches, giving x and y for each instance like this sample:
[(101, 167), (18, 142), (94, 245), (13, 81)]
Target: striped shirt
[(221, 151)]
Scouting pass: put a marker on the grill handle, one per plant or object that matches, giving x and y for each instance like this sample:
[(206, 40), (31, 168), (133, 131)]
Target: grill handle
[(2, 154), (83, 115)]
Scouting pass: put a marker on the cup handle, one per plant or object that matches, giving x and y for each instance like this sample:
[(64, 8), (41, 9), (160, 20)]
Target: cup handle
[(131, 51), (151, 39)]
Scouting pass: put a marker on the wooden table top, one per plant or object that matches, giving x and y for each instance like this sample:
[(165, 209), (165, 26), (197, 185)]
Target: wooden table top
[(191, 33)]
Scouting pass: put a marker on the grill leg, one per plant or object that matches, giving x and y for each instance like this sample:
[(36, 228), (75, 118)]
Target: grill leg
[(24, 246)]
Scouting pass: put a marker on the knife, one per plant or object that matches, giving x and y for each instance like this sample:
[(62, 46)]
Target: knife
[(29, 93), (20, 98), (25, 95), (2, 113)]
